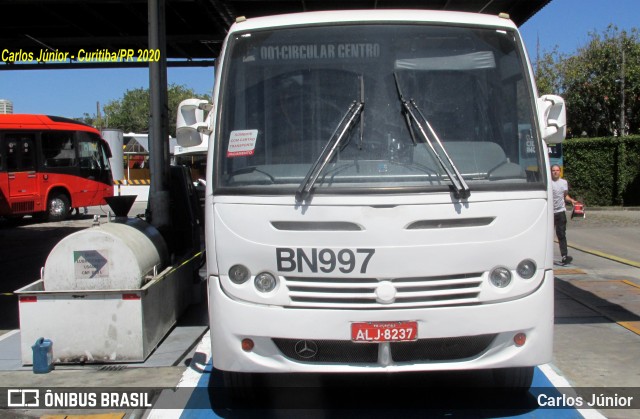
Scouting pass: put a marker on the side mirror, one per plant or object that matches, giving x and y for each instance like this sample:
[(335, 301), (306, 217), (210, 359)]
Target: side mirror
[(553, 118), (190, 122), (107, 150)]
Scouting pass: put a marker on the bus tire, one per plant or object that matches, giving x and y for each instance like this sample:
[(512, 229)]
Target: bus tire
[(240, 387), (515, 378), (58, 207)]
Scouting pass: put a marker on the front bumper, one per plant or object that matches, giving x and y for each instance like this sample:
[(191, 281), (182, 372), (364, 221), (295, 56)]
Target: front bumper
[(449, 338)]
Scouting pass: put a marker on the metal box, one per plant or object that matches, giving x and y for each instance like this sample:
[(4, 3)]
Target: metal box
[(104, 326)]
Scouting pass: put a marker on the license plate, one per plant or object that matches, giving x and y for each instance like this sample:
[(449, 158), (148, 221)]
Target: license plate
[(384, 331)]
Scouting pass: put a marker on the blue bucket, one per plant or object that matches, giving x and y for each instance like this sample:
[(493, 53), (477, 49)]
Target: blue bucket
[(42, 356)]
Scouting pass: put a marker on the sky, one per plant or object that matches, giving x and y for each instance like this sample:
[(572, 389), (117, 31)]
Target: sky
[(72, 93)]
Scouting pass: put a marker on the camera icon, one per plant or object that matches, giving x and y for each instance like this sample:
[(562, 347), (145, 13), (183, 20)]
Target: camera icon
[(23, 398)]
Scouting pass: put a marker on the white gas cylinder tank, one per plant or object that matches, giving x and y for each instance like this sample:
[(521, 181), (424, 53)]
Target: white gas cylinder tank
[(110, 256)]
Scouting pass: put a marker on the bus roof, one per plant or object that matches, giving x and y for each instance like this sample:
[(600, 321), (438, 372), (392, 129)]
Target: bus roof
[(32, 121), (373, 16)]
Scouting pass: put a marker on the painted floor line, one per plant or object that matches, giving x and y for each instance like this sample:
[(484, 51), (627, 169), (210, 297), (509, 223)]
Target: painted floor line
[(190, 379), (633, 284), (605, 255), (9, 334), (559, 381), (632, 326)]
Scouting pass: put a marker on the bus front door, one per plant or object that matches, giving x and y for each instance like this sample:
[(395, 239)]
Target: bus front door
[(21, 166), (95, 171)]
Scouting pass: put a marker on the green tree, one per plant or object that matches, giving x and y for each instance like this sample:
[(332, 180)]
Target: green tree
[(548, 73), (592, 80), (87, 119), (131, 112)]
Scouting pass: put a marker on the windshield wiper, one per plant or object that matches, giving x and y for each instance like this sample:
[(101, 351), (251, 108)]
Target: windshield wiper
[(251, 169), (410, 108), (346, 123)]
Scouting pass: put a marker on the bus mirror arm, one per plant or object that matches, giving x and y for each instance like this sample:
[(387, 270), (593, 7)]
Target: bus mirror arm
[(190, 122), (205, 106)]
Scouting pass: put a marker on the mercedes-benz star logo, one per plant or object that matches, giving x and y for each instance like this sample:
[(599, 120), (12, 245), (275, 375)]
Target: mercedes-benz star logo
[(306, 349)]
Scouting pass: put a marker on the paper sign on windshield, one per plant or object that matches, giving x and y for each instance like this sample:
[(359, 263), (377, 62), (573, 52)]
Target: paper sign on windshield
[(242, 143)]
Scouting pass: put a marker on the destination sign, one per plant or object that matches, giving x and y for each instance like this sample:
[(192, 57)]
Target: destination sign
[(320, 51)]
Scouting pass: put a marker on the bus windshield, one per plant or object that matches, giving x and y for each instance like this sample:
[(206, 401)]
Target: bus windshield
[(286, 92)]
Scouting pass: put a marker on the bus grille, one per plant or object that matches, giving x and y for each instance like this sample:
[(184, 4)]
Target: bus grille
[(422, 350), (360, 293), (17, 207)]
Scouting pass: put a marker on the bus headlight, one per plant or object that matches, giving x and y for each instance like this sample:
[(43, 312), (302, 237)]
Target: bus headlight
[(265, 282), (238, 274), (526, 269), (500, 277)]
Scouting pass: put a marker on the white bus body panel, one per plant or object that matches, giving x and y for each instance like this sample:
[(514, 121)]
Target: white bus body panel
[(360, 16), (245, 234)]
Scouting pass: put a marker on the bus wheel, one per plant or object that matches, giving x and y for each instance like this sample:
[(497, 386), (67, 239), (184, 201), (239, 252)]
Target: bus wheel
[(240, 387), (58, 207), (516, 378)]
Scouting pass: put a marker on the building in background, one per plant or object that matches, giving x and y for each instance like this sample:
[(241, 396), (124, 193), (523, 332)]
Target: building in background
[(6, 106)]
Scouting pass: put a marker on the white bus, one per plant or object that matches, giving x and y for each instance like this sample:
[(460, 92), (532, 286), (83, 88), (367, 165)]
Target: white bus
[(367, 209)]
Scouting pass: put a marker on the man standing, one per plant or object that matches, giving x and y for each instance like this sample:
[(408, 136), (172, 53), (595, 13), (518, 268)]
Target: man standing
[(560, 189)]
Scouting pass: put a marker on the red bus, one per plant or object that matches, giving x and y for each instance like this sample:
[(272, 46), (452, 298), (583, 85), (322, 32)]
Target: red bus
[(50, 165)]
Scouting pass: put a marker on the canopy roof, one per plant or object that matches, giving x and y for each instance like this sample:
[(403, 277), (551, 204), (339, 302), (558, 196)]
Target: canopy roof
[(195, 29)]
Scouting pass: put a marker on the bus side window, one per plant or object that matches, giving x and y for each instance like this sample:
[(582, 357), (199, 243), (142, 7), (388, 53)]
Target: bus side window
[(58, 149), (20, 152), (89, 152), (104, 155), (27, 153), (2, 154), (12, 156)]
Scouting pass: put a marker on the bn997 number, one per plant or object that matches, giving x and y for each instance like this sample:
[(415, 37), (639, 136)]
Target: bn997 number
[(323, 260)]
